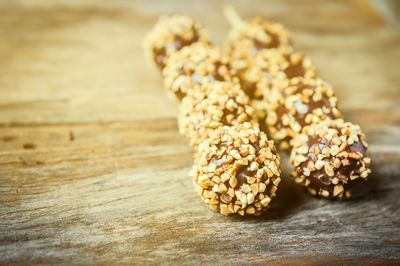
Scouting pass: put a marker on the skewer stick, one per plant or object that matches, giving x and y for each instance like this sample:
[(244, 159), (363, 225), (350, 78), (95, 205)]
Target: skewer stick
[(232, 16)]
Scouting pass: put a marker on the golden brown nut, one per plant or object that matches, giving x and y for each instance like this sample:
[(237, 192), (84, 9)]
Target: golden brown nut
[(330, 157), (212, 106), (194, 66), (170, 34), (272, 68), (286, 93), (297, 104), (246, 40), (237, 170)]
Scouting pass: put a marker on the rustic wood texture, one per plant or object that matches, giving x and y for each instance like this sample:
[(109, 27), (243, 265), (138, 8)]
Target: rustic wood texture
[(93, 169)]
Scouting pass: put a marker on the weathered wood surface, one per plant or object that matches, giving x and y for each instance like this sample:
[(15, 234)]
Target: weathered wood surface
[(93, 169)]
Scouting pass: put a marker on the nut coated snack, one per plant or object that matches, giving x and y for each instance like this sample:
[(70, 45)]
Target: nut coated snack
[(297, 104), (273, 68), (247, 38), (287, 95), (212, 106), (170, 34), (237, 170), (194, 66), (329, 157)]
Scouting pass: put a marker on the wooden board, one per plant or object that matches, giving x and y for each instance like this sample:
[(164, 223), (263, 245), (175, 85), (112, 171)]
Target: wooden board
[(93, 169)]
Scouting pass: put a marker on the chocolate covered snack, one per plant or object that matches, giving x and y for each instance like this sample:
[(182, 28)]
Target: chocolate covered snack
[(237, 170), (292, 102), (194, 66), (170, 34), (330, 157), (212, 106), (295, 104)]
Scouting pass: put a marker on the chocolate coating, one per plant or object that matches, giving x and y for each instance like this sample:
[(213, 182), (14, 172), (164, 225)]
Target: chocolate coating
[(194, 66), (171, 34), (237, 170), (295, 69), (330, 157), (296, 105), (271, 42)]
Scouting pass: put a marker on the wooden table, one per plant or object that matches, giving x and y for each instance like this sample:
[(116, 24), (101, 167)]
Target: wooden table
[(93, 169)]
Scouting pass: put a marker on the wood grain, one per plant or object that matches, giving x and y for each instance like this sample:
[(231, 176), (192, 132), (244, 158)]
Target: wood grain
[(93, 170)]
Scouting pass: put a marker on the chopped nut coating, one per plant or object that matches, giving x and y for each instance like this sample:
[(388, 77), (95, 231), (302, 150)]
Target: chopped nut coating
[(194, 66), (245, 188), (170, 34), (218, 104), (332, 172)]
